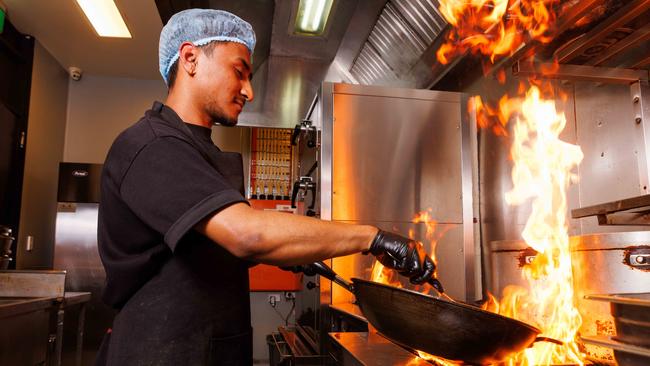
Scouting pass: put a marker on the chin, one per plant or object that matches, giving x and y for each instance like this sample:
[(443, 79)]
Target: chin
[(224, 119), (228, 121)]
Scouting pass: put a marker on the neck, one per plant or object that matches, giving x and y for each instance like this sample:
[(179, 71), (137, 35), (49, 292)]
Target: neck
[(184, 104)]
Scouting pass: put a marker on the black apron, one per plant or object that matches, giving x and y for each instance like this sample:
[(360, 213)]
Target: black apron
[(185, 315)]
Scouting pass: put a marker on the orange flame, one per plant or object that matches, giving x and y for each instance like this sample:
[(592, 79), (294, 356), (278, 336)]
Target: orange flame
[(494, 27), (438, 361), (542, 165), (542, 173)]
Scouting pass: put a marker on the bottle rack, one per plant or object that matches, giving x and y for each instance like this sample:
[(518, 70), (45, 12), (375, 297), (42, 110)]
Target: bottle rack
[(271, 163)]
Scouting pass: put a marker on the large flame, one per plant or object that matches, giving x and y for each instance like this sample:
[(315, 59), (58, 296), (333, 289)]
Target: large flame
[(541, 173), (542, 165), (493, 27)]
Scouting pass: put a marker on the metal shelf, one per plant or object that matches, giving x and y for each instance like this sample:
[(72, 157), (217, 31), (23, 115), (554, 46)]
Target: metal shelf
[(630, 211)]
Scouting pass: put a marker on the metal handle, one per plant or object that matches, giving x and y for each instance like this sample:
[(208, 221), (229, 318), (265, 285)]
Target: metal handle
[(322, 269), (638, 258), (311, 137), (295, 134), (312, 188), (436, 284), (294, 193), (547, 339), (312, 169)]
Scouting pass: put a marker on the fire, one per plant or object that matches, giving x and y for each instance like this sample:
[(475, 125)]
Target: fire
[(542, 165), (541, 174), (433, 359), (494, 27), (382, 274)]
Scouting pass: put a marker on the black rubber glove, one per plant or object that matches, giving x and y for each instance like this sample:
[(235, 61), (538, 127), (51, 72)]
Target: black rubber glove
[(404, 255)]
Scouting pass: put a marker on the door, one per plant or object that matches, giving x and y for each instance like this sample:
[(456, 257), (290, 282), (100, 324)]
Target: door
[(12, 156), (16, 57)]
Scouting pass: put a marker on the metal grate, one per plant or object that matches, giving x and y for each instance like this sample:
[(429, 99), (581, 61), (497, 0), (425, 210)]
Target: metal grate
[(403, 32)]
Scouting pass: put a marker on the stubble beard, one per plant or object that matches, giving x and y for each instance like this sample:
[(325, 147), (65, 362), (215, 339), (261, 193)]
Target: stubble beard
[(217, 116)]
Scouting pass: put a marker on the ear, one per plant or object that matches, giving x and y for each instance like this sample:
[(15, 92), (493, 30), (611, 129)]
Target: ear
[(188, 56)]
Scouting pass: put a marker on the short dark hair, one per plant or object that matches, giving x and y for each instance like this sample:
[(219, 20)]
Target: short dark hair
[(173, 70)]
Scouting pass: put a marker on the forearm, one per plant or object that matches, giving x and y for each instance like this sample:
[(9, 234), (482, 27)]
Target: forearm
[(284, 239)]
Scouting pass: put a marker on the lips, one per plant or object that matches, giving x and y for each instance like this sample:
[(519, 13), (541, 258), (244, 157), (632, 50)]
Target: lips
[(240, 103)]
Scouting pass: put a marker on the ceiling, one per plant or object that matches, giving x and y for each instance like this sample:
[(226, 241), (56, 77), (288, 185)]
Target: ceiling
[(62, 28)]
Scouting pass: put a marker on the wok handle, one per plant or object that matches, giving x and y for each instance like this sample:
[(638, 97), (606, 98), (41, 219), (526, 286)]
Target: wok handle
[(436, 284), (547, 339), (322, 269)]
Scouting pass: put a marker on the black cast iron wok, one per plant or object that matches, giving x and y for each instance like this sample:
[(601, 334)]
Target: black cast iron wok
[(441, 327)]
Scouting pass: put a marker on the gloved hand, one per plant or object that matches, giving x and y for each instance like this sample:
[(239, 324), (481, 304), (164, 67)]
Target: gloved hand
[(404, 255)]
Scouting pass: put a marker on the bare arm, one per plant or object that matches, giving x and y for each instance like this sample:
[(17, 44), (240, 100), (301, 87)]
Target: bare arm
[(283, 239)]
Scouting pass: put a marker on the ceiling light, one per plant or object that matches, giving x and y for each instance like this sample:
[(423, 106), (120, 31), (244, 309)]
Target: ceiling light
[(105, 18), (312, 17)]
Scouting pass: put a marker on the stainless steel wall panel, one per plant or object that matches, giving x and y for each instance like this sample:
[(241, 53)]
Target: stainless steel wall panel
[(607, 132), (393, 159), (388, 154), (640, 98)]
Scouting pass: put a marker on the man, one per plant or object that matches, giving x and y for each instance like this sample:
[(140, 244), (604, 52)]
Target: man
[(176, 235)]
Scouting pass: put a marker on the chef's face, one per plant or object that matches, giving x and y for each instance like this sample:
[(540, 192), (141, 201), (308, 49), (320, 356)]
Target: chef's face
[(224, 81)]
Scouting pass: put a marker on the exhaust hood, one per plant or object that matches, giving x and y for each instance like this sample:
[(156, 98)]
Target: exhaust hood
[(393, 43)]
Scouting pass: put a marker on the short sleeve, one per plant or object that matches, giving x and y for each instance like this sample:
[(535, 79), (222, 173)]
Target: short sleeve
[(171, 188)]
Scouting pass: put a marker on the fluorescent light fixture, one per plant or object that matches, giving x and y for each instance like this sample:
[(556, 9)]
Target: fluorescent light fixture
[(105, 18), (312, 16)]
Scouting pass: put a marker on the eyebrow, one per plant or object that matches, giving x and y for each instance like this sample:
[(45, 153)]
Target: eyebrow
[(248, 67)]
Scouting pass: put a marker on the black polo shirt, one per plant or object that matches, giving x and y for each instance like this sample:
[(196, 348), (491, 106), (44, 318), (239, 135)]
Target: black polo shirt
[(156, 186)]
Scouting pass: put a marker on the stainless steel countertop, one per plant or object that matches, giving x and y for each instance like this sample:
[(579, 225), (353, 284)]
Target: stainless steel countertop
[(349, 309), (373, 349), (11, 306), (74, 298)]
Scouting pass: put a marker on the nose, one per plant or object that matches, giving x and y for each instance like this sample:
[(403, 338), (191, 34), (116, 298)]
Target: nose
[(247, 90)]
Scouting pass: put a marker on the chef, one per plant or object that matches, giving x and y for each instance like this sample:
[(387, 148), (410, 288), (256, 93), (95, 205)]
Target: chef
[(176, 234)]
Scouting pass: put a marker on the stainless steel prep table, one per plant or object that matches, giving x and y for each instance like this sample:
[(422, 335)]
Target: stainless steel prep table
[(28, 331), (369, 348)]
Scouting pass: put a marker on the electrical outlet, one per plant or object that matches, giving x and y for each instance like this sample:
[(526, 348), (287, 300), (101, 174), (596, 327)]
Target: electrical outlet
[(273, 299)]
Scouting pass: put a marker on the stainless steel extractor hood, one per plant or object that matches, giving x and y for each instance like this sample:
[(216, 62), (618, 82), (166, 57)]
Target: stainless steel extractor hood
[(400, 49)]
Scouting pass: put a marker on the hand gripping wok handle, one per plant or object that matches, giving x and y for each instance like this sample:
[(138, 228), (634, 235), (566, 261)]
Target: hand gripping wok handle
[(325, 271)]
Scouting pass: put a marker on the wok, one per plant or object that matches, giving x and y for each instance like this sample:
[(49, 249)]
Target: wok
[(437, 326)]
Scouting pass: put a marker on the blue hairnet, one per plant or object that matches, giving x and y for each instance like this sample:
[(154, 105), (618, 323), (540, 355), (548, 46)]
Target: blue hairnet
[(200, 26)]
